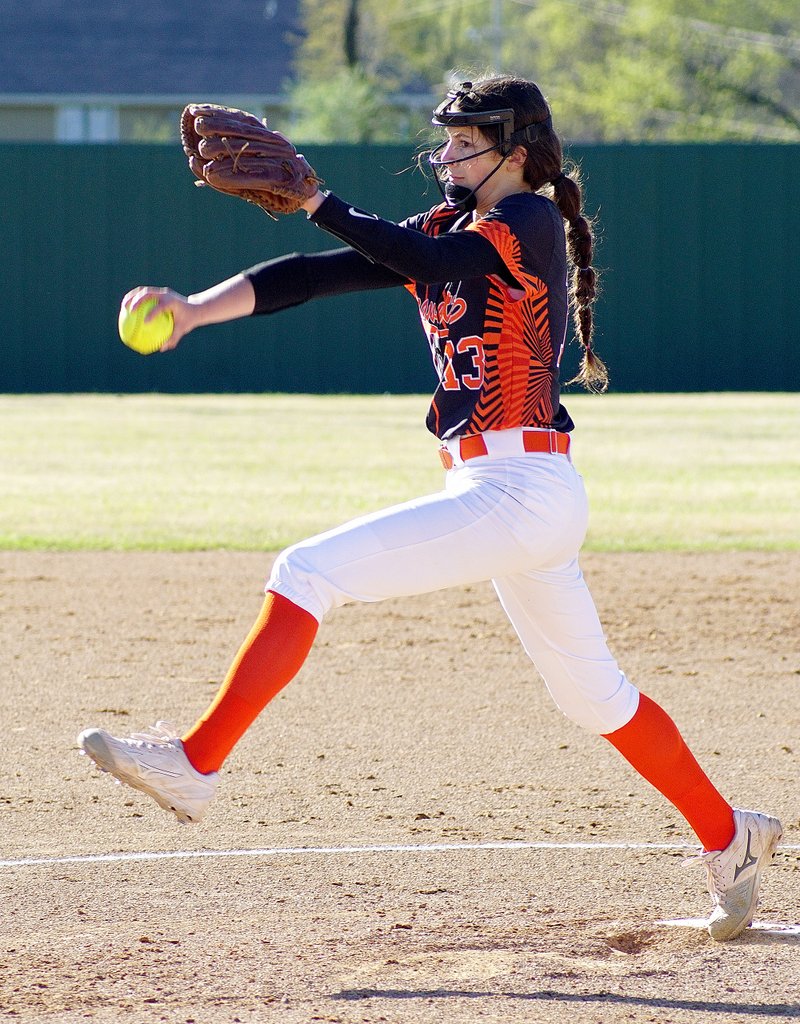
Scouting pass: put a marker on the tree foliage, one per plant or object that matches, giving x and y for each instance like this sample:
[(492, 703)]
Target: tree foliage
[(346, 105), (638, 70)]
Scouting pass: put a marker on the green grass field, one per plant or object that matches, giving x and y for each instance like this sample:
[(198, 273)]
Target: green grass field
[(668, 472)]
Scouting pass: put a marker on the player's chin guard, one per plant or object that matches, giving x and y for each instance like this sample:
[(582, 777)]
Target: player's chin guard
[(448, 115)]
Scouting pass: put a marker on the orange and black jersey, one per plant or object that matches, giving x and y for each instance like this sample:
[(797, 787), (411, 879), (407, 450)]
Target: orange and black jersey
[(492, 297), (497, 339)]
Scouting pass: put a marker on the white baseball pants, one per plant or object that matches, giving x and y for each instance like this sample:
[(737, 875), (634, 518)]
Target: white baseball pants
[(518, 521)]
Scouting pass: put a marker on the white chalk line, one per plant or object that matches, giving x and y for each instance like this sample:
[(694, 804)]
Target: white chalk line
[(767, 927), (301, 851)]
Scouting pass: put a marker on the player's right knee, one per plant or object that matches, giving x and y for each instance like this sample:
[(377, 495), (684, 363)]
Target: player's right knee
[(597, 712)]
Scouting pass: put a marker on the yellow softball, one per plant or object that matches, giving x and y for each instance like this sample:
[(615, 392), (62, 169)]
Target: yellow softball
[(140, 336)]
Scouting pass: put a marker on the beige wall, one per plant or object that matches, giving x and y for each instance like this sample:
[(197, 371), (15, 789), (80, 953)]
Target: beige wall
[(93, 121), (27, 124), (149, 124)]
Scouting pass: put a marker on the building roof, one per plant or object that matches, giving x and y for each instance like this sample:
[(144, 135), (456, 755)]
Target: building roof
[(147, 47)]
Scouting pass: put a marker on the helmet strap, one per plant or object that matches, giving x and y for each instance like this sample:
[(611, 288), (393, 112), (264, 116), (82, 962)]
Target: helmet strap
[(459, 197)]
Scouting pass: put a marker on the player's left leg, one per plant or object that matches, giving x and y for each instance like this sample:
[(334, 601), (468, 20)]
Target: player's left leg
[(463, 534), (460, 535), (270, 657), (180, 774)]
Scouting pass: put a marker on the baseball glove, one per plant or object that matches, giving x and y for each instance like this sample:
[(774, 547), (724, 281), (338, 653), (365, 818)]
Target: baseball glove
[(234, 152)]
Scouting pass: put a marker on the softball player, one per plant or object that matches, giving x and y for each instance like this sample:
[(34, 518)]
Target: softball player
[(489, 271)]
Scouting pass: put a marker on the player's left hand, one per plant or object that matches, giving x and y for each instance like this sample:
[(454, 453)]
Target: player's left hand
[(234, 152)]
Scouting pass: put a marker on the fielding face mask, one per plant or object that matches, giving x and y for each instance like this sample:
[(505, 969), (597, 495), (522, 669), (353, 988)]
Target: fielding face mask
[(458, 196)]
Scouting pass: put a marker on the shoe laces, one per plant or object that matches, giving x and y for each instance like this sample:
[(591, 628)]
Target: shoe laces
[(710, 861), (159, 735)]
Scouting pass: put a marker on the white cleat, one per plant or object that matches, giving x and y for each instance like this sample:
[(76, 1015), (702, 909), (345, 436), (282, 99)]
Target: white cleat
[(154, 763), (734, 874)]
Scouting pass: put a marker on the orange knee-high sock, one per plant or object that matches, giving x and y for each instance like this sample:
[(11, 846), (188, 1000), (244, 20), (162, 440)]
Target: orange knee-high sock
[(652, 744), (270, 657)]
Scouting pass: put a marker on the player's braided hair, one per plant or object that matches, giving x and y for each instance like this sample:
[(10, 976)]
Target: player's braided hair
[(544, 172)]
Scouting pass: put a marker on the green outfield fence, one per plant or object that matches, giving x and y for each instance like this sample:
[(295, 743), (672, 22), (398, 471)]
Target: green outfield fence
[(697, 244)]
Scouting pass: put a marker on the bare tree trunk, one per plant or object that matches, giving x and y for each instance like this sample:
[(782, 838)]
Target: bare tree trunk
[(351, 34)]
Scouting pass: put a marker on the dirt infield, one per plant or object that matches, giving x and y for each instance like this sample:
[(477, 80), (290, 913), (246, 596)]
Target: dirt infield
[(343, 876)]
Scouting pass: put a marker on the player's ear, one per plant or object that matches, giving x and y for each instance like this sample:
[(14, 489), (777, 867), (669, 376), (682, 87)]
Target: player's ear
[(517, 157)]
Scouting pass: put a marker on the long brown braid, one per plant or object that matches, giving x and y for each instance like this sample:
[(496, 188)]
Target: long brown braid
[(544, 172)]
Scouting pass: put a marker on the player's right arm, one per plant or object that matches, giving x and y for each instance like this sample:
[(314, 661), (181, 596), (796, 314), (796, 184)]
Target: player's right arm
[(297, 278), (227, 300), (266, 288)]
